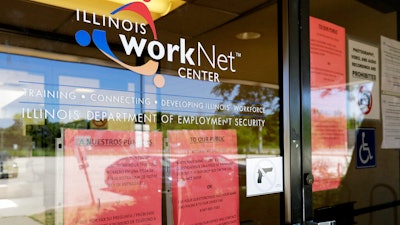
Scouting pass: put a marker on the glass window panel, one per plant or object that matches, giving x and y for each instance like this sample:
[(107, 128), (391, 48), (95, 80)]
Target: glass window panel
[(355, 177), (110, 116)]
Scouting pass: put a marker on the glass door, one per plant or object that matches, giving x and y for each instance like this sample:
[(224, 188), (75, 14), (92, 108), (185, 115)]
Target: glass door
[(354, 98), (143, 112)]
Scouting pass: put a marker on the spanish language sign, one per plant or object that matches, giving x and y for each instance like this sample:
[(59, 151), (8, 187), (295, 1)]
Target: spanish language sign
[(112, 177), (328, 102), (204, 176), (363, 80)]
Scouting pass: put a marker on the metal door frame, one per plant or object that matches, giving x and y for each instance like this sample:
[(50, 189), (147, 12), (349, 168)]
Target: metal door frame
[(296, 114)]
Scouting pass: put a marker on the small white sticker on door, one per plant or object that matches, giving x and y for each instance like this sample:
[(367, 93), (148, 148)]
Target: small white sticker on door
[(264, 176)]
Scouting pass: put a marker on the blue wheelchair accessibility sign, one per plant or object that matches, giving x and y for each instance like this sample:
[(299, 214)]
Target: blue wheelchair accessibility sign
[(365, 147)]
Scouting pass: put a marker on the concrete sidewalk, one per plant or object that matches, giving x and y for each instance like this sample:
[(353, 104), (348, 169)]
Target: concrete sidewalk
[(18, 220)]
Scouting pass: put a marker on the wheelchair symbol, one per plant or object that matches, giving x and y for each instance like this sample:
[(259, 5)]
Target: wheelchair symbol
[(364, 152)]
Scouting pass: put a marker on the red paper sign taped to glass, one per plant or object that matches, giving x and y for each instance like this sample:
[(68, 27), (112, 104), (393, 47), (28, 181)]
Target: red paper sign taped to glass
[(112, 177), (205, 179), (327, 54), (328, 103)]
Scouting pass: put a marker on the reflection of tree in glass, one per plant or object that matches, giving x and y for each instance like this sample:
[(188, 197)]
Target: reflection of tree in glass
[(12, 139), (249, 95), (34, 139), (252, 96)]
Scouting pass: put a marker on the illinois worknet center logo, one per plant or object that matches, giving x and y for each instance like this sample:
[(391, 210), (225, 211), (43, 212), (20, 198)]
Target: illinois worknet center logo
[(99, 37), (190, 56)]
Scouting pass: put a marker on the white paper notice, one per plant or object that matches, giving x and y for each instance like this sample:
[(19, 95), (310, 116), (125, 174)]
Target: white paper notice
[(364, 80), (390, 54), (391, 121)]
